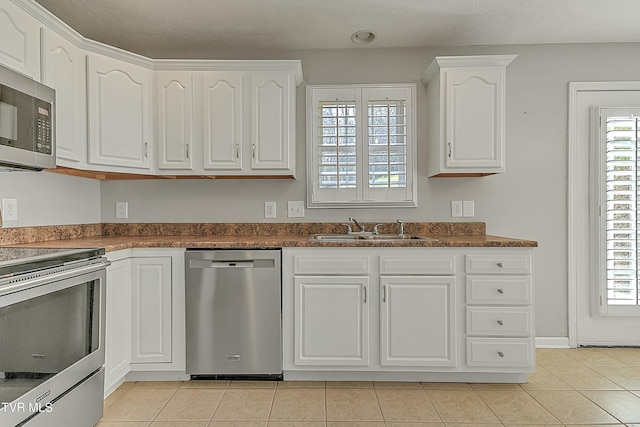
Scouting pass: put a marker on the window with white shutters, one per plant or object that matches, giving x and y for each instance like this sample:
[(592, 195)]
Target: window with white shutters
[(337, 145), (361, 145), (618, 221), (387, 144)]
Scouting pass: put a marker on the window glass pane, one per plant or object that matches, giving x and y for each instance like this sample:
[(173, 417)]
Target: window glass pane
[(387, 144), (622, 210), (337, 145)]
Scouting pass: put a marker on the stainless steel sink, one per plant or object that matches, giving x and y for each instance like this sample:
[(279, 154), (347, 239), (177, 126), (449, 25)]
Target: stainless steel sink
[(369, 236)]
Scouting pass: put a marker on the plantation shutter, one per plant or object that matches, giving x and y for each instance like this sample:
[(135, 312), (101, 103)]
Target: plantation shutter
[(621, 208)]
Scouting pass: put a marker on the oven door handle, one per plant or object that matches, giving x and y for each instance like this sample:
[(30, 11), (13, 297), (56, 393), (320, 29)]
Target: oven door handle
[(46, 276)]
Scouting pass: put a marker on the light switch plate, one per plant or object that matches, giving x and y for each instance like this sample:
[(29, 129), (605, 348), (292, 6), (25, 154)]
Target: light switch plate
[(295, 209), (122, 210), (468, 209), (269, 209)]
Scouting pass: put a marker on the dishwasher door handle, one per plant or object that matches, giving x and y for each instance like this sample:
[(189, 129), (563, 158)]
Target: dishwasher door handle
[(234, 263), (207, 263)]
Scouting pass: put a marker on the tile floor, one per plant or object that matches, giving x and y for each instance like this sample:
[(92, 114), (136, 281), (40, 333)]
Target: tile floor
[(571, 387)]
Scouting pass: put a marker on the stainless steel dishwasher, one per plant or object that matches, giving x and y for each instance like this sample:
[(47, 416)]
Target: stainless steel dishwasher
[(234, 314)]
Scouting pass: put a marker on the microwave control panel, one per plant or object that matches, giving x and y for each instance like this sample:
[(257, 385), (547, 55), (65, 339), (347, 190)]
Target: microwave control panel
[(43, 127)]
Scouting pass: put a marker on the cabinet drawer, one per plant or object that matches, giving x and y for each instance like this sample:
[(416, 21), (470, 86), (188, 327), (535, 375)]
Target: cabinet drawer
[(500, 352), (499, 290), (331, 264), (498, 264), (416, 264), (507, 322)]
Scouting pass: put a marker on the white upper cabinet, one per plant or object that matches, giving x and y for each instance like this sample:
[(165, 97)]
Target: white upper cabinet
[(241, 119), (19, 40), (121, 112), (174, 120), (466, 115), (272, 121), (249, 122), (119, 124), (63, 68), (223, 120)]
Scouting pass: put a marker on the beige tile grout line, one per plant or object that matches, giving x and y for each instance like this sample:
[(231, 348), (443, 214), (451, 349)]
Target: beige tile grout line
[(219, 402), (165, 403), (273, 401), (326, 406)]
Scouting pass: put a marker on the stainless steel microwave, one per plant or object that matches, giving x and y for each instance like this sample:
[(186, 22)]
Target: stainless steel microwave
[(27, 123)]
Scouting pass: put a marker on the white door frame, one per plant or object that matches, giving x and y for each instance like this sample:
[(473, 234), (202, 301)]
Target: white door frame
[(577, 224)]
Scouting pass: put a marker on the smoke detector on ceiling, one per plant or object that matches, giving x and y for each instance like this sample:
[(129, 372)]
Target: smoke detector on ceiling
[(362, 37)]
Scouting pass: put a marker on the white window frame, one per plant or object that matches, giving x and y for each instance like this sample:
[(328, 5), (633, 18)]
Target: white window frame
[(362, 196)]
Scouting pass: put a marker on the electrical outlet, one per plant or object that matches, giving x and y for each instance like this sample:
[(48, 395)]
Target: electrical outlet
[(295, 209), (122, 210), (10, 209), (269, 209), (456, 208), (468, 209)]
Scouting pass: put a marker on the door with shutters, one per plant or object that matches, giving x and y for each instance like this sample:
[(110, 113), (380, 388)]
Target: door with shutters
[(603, 196)]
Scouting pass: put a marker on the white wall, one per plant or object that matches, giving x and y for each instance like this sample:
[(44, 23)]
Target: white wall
[(529, 201), (46, 198)]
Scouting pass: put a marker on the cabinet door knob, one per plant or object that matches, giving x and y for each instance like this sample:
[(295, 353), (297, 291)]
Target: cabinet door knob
[(500, 322), (187, 151), (449, 150), (253, 151), (146, 149), (237, 151), (500, 291), (364, 288), (384, 293), (501, 354), (500, 264)]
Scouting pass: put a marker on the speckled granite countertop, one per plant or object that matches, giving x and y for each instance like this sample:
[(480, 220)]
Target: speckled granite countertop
[(115, 237)]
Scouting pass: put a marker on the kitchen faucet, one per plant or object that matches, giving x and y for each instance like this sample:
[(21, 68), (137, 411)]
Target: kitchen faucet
[(401, 228), (360, 228)]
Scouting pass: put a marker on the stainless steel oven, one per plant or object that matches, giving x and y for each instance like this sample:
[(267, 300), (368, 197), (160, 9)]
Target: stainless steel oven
[(51, 337)]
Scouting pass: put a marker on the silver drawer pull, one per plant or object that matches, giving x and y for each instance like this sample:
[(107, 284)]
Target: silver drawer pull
[(500, 265), (501, 354), (500, 322), (500, 291)]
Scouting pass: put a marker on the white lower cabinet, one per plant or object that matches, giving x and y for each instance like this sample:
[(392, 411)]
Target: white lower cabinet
[(151, 310), (499, 311), (145, 316), (331, 321), (417, 321), (408, 314), (118, 324)]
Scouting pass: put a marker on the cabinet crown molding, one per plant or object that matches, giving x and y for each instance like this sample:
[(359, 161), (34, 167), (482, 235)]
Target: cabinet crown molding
[(192, 65), (54, 23), (465, 61)]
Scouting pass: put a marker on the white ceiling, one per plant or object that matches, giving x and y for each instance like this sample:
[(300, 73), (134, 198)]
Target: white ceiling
[(151, 25)]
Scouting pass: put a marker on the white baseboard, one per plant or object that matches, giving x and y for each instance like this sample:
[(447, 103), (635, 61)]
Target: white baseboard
[(552, 342)]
